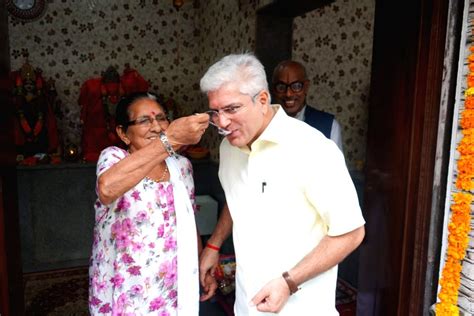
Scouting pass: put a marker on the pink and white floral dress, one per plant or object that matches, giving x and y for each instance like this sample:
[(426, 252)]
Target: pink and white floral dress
[(133, 267)]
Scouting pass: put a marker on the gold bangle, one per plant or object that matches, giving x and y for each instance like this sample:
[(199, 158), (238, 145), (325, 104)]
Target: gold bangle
[(291, 283)]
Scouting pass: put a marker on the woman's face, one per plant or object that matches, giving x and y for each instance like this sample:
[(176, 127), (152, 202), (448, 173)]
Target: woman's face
[(147, 120)]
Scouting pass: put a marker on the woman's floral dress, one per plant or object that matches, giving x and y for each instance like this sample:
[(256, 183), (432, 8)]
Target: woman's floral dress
[(133, 267)]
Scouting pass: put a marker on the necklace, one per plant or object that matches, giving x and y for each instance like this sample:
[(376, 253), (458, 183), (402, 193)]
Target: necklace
[(162, 176)]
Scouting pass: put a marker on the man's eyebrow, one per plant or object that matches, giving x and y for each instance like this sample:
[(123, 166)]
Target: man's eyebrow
[(231, 105), (228, 106)]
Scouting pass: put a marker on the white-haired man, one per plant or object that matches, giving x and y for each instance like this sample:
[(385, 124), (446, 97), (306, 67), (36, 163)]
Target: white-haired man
[(291, 205)]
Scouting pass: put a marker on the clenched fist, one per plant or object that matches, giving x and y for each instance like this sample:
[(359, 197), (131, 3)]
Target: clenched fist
[(187, 130)]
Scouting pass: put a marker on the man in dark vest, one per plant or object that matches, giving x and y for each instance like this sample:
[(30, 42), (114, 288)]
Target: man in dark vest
[(289, 87)]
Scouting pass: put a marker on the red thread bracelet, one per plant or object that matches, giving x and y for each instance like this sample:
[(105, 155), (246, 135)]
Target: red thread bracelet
[(211, 246)]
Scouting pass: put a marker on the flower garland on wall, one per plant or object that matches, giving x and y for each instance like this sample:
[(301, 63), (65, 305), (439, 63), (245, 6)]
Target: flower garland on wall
[(459, 225)]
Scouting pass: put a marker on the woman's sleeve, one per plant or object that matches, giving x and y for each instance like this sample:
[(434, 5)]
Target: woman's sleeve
[(108, 157)]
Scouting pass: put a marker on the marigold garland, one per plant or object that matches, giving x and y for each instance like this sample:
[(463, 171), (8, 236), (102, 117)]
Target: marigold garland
[(460, 221), (467, 119)]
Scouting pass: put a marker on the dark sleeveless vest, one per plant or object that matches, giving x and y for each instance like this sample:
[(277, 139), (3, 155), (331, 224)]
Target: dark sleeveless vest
[(320, 120)]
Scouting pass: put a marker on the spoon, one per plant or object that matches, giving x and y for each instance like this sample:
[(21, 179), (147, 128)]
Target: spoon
[(220, 130)]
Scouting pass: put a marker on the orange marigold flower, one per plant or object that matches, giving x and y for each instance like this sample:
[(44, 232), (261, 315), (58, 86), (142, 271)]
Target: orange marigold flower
[(467, 119), (464, 183), (468, 133), (466, 144), (470, 80), (469, 102), (466, 166), (462, 197)]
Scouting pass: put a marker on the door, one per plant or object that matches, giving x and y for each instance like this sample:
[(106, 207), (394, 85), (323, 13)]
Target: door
[(406, 84)]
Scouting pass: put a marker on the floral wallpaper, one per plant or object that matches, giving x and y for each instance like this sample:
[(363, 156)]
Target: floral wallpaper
[(335, 45), (77, 40), (226, 27)]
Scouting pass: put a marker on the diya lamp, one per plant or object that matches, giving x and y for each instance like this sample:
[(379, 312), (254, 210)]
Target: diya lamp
[(71, 152)]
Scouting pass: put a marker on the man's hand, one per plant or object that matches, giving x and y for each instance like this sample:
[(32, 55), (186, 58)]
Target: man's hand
[(187, 130), (272, 297), (209, 287), (209, 258), (208, 262)]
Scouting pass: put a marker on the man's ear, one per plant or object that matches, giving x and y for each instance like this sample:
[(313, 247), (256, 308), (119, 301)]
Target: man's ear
[(263, 97), (121, 133), (263, 100)]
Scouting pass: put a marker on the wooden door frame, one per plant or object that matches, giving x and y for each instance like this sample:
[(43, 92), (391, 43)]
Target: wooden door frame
[(403, 141)]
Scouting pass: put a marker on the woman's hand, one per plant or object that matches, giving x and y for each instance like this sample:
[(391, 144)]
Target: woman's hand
[(187, 130)]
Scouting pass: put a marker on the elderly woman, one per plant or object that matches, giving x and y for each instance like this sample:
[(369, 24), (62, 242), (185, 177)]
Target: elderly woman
[(145, 249)]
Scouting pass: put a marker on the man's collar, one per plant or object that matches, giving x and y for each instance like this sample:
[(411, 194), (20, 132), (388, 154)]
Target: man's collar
[(272, 132), (276, 125), (300, 114)]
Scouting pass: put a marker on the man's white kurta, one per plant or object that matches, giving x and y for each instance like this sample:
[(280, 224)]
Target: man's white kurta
[(284, 195)]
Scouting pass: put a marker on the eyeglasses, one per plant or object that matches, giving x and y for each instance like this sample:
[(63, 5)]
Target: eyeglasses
[(146, 121), (295, 86), (228, 112)]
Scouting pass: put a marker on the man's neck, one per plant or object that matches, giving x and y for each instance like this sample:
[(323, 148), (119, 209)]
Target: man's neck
[(268, 116)]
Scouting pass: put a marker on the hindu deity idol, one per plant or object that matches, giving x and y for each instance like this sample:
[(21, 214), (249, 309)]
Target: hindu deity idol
[(35, 127), (98, 99)]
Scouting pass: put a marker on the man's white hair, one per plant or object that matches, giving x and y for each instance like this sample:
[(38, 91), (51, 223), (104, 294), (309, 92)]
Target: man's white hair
[(244, 71)]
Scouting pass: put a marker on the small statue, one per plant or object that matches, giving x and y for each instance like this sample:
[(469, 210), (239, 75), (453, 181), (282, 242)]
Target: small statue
[(35, 128), (98, 99)]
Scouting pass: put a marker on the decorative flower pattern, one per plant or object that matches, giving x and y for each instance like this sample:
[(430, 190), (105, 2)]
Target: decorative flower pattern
[(133, 268), (335, 45)]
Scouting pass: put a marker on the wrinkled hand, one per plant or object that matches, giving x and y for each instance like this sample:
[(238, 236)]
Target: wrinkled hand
[(209, 287), (187, 130), (272, 297), (208, 262)]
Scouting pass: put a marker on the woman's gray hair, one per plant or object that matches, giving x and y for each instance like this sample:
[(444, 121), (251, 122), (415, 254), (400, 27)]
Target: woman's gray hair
[(244, 70)]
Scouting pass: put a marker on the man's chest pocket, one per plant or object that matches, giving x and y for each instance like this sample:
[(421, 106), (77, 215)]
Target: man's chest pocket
[(277, 193)]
